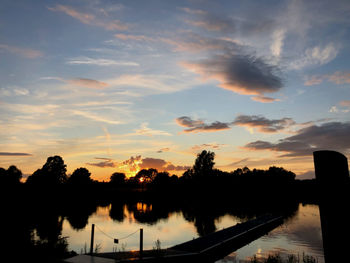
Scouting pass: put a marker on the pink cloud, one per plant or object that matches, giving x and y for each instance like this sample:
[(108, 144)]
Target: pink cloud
[(89, 19), (23, 52)]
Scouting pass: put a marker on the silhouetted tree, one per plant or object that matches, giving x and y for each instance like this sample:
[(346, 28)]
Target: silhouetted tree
[(117, 179), (187, 174), (11, 176), (53, 172), (81, 176), (147, 174), (281, 173), (162, 179), (204, 164)]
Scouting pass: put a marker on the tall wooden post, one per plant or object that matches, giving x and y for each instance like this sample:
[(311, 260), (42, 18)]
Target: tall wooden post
[(92, 239), (141, 242), (332, 176)]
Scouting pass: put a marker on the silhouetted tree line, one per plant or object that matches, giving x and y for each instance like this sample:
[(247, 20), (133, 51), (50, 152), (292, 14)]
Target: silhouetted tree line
[(200, 181), (202, 194)]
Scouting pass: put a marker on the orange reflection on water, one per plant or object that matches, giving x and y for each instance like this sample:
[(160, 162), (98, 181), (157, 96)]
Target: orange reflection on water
[(143, 207)]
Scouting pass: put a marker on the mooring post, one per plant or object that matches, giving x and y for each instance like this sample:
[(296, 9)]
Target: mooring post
[(141, 242), (332, 176), (92, 239)]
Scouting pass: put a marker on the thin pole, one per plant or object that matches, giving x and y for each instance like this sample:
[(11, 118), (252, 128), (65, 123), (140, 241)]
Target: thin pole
[(92, 239), (141, 242)]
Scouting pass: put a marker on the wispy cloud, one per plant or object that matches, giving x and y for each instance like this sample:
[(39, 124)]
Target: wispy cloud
[(94, 117), (315, 56), (277, 42), (146, 131), (337, 77), (87, 83), (23, 52), (14, 154), (100, 62), (89, 19), (14, 91), (134, 37), (214, 145), (166, 149)]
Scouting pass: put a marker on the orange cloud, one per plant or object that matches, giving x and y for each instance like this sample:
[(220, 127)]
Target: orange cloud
[(88, 83)]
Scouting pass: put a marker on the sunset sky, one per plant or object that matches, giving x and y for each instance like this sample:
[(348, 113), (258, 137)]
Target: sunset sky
[(125, 85)]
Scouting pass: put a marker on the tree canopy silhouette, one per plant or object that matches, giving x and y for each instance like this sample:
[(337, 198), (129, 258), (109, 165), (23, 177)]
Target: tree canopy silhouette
[(117, 179), (147, 174), (53, 172), (80, 176), (204, 163), (11, 176)]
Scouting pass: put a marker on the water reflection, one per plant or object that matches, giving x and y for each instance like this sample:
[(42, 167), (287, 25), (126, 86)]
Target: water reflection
[(170, 222), (300, 233)]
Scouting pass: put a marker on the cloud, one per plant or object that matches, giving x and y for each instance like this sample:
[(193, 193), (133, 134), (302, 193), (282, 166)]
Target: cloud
[(314, 80), (166, 149), (161, 165), (193, 11), (213, 22), (132, 164), (14, 154), (145, 130), (258, 122), (100, 62), (243, 74), (277, 42), (192, 42), (94, 117), (263, 124), (239, 162), (23, 52), (103, 164), (264, 99), (315, 56), (336, 78), (345, 103), (13, 91), (87, 83), (133, 37), (327, 136), (204, 146), (89, 19), (229, 25), (200, 126)]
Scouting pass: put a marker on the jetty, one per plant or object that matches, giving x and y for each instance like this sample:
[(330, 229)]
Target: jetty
[(203, 249)]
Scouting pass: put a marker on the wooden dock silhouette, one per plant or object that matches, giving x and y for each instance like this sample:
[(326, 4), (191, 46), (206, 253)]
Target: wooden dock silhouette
[(203, 249)]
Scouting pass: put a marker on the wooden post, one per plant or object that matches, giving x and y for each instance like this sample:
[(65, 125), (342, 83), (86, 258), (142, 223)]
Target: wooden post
[(141, 242), (92, 239)]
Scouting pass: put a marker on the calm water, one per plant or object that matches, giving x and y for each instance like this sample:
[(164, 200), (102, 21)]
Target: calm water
[(299, 234)]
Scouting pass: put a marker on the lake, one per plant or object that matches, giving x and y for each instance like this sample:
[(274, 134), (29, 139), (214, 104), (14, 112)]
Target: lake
[(300, 233)]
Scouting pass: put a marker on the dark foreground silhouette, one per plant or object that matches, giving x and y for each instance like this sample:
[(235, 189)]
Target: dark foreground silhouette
[(34, 212)]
